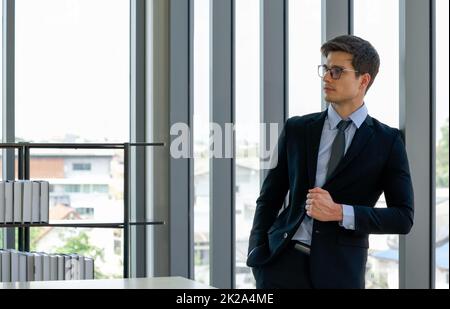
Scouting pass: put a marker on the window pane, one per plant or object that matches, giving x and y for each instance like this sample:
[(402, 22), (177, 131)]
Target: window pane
[(442, 115), (72, 85), (305, 34), (93, 196), (201, 139), (247, 102), (72, 71), (104, 245), (378, 22)]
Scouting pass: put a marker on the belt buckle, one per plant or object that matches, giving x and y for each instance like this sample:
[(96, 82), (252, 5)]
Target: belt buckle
[(302, 248)]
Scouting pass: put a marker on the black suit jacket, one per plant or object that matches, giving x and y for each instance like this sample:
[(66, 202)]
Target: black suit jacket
[(375, 162)]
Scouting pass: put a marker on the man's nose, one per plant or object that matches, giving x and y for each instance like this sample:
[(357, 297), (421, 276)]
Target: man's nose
[(327, 77)]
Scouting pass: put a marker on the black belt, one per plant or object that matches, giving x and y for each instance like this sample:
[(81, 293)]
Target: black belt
[(302, 247)]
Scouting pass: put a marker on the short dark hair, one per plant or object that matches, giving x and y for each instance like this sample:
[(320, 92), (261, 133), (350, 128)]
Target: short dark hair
[(365, 57)]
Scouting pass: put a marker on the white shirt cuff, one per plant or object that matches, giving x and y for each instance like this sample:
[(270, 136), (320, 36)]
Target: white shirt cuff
[(348, 221)]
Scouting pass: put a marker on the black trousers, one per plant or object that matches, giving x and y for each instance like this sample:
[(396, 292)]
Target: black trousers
[(289, 270)]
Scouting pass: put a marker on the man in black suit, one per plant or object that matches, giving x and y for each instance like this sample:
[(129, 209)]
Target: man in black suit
[(335, 165)]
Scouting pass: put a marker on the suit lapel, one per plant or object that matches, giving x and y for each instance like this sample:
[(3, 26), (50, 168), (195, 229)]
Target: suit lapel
[(360, 140), (314, 133)]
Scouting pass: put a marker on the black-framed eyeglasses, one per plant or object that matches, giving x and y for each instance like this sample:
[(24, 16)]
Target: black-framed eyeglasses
[(335, 72)]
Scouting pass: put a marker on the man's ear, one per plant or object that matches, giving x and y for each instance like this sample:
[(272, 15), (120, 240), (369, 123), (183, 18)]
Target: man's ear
[(365, 80)]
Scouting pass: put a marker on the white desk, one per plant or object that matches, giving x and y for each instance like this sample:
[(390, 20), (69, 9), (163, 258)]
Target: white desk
[(134, 283)]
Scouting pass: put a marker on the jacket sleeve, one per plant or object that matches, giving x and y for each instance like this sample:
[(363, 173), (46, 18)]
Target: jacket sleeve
[(273, 192), (398, 217)]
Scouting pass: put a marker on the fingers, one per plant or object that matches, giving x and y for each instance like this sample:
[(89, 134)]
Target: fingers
[(312, 199), (311, 209), (317, 190), (315, 199), (311, 202), (318, 194), (308, 207), (308, 210), (315, 195)]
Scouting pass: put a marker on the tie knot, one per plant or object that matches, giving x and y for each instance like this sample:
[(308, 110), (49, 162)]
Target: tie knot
[(343, 124)]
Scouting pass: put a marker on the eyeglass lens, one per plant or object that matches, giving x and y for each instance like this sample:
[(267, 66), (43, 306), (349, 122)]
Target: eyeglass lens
[(335, 72)]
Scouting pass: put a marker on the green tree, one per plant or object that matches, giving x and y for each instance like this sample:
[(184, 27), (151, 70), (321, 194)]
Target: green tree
[(34, 234), (442, 159), (79, 244)]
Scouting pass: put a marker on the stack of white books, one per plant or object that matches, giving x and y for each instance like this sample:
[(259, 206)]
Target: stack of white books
[(24, 201), (17, 266)]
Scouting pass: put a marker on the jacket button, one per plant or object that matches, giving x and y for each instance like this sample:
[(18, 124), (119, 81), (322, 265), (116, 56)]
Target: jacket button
[(317, 231), (285, 235)]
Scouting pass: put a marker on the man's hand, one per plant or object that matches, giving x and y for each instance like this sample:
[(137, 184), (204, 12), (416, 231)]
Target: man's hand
[(320, 206)]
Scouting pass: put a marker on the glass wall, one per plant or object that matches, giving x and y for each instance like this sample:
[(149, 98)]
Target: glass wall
[(72, 86), (378, 22), (247, 102), (201, 71), (305, 33), (442, 115)]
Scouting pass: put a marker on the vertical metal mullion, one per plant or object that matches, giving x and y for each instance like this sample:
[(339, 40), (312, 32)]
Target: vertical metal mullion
[(433, 145), (8, 98), (23, 240), (181, 169), (191, 193), (273, 105), (222, 254), (126, 214), (350, 17), (402, 116), (20, 170), (337, 19), (402, 64), (26, 176), (157, 126), (137, 158), (232, 108), (416, 248)]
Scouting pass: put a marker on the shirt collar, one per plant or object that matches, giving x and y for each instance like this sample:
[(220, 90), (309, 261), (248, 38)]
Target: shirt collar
[(357, 117)]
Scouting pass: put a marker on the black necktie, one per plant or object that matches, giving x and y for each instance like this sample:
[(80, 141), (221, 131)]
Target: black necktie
[(338, 147)]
